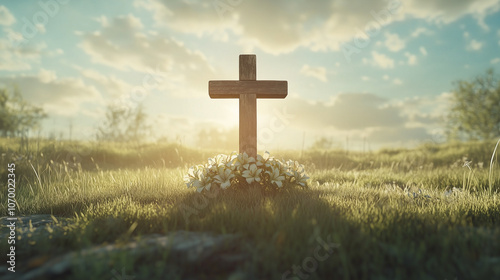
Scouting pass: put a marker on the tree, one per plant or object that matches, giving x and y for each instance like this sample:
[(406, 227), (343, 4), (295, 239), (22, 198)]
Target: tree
[(475, 111), (16, 114), (123, 124)]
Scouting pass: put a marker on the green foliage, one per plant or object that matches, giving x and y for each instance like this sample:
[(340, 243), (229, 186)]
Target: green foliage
[(124, 124), (408, 214), (475, 111), (384, 231), (16, 114)]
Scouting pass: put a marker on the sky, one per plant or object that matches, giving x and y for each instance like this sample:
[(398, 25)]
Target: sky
[(364, 74)]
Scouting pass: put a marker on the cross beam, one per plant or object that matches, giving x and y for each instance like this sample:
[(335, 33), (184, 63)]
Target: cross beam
[(248, 89)]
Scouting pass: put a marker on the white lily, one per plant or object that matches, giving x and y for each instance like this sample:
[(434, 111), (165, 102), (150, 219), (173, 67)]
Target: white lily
[(276, 177), (301, 179), (243, 161), (252, 174), (224, 177)]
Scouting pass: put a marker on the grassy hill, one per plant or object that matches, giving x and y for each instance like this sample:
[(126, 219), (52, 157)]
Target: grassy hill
[(394, 214)]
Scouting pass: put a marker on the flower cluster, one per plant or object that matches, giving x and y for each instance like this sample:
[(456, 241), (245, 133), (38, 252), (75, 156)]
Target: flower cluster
[(225, 171)]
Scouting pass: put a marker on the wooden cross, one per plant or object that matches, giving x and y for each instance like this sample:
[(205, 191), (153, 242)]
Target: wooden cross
[(248, 89)]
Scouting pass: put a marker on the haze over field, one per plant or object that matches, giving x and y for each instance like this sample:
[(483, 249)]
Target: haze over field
[(375, 70)]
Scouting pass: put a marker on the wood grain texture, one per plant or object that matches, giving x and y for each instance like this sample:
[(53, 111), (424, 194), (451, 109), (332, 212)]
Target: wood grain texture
[(248, 67), (233, 89), (248, 89), (248, 124)]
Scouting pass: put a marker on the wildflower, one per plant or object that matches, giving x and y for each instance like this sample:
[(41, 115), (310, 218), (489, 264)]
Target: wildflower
[(224, 177), (264, 160), (276, 177), (222, 169), (252, 174), (301, 179), (243, 160)]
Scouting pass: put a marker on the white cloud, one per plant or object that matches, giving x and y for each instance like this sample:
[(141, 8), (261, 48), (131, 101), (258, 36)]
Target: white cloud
[(17, 58), (423, 51), (46, 76), (122, 44), (317, 25), (346, 111), (495, 60), (315, 72), (474, 45), (445, 12), (397, 82), (412, 59), (6, 18), (419, 31), (385, 77), (41, 28), (365, 78), (393, 42), (380, 60), (108, 83), (59, 96)]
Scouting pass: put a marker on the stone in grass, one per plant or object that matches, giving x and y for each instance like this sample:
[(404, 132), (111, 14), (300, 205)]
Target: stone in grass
[(208, 253)]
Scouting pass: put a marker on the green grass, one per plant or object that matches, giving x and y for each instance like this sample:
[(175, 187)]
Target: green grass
[(387, 210)]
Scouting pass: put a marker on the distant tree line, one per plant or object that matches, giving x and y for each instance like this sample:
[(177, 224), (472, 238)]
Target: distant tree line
[(17, 116), (124, 124)]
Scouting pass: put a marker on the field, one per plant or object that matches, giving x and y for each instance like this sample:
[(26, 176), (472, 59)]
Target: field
[(432, 212)]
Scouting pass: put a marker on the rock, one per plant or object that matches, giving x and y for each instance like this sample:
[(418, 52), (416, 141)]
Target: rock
[(209, 253)]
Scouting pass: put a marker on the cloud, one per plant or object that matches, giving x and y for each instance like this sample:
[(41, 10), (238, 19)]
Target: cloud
[(17, 58), (108, 83), (318, 25), (346, 111), (60, 96), (6, 18), (122, 44), (445, 12), (495, 60), (423, 51), (281, 28), (397, 82), (412, 59), (380, 60), (419, 31), (474, 45), (315, 72), (393, 42)]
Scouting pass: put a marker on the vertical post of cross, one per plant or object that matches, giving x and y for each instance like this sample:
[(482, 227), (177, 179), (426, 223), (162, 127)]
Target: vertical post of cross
[(248, 107)]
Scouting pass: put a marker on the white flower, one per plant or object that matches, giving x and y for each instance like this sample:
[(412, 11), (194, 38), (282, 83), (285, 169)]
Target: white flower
[(243, 161), (301, 179), (276, 177), (202, 181), (224, 177), (221, 169), (264, 160), (252, 174)]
